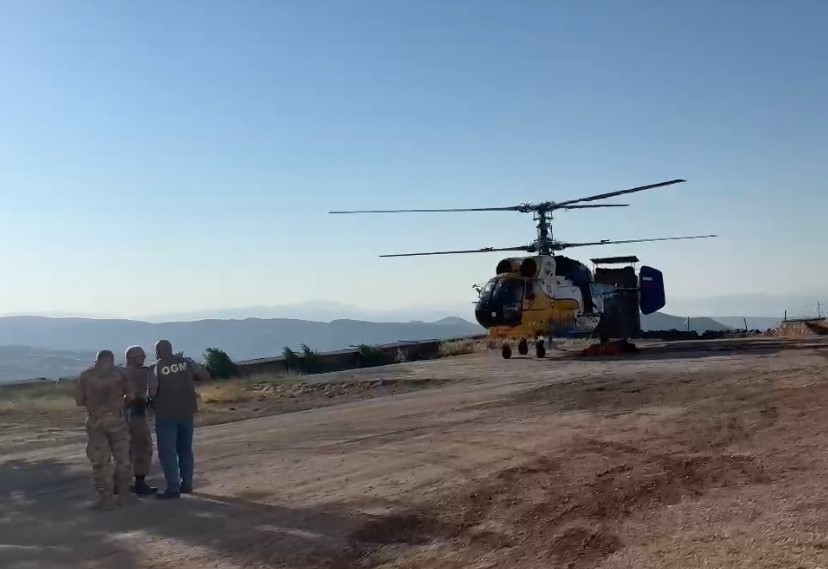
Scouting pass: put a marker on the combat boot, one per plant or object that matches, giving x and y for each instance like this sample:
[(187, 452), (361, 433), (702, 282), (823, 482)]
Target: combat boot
[(141, 488), (105, 502), (125, 498)]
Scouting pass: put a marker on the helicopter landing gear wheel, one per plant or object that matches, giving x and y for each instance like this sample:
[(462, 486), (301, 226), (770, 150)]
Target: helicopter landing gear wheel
[(540, 349), (506, 352), (523, 347)]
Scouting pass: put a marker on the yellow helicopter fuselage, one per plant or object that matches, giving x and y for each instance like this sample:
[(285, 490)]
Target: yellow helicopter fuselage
[(532, 298), (538, 315)]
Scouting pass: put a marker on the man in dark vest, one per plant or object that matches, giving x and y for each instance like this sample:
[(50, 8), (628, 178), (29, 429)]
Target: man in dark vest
[(174, 399)]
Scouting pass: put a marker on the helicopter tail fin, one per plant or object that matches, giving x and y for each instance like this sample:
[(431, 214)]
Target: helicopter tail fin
[(651, 285)]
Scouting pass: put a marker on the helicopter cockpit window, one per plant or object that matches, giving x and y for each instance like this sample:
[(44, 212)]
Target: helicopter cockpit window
[(510, 291), (488, 289)]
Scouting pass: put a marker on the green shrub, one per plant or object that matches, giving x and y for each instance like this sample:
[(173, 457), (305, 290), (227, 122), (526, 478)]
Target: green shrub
[(311, 362), (370, 356), (306, 362), (292, 360), (219, 364)]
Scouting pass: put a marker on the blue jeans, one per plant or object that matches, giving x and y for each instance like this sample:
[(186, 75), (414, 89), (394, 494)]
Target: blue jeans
[(175, 451)]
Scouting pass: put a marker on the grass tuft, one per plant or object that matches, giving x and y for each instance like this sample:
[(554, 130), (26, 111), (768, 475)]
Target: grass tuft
[(39, 397), (458, 347), (246, 389)]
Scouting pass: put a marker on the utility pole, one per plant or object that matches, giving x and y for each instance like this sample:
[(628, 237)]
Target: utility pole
[(819, 310)]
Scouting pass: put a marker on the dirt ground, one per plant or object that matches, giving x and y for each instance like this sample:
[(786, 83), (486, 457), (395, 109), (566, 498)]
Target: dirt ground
[(691, 459)]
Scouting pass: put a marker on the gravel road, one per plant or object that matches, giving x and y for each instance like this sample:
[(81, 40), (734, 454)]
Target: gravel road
[(667, 459)]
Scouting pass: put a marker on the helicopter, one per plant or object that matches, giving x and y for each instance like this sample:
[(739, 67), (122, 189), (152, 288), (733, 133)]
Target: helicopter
[(547, 295)]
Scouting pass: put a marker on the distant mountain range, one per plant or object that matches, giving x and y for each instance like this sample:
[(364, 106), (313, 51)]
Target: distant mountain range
[(661, 321), (24, 362), (753, 322), (36, 346), (316, 311), (241, 339), (804, 304)]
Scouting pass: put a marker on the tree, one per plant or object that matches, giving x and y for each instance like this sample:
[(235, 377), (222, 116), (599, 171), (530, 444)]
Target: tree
[(219, 364), (292, 360), (310, 360), (370, 356), (306, 362)]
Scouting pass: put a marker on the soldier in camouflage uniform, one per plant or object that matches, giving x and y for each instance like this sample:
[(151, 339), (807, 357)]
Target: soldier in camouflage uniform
[(102, 389), (140, 446)]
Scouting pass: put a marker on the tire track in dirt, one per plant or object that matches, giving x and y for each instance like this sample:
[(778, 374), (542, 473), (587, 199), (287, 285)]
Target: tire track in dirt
[(566, 512), (537, 511)]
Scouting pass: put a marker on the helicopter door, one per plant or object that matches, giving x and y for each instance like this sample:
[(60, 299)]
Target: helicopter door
[(509, 295), (530, 295)]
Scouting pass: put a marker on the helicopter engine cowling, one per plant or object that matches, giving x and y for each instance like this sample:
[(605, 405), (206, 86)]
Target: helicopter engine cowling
[(530, 268), (508, 266)]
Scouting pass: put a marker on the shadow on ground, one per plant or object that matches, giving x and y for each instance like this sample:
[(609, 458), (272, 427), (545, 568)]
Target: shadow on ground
[(673, 353), (46, 502)]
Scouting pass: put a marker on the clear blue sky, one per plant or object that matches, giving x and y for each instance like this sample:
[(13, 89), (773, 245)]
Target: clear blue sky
[(166, 156)]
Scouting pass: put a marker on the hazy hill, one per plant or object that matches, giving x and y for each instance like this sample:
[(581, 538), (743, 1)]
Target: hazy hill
[(661, 321), (25, 362), (761, 305), (33, 346), (753, 322), (54, 347), (317, 311), (242, 339)]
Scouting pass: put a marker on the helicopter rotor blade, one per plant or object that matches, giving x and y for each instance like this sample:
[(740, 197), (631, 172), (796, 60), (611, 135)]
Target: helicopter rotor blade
[(590, 206), (619, 193), (622, 242), (507, 208), (523, 208), (526, 248)]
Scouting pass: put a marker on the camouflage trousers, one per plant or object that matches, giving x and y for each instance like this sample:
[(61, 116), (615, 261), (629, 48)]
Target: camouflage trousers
[(108, 437), (140, 445)]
